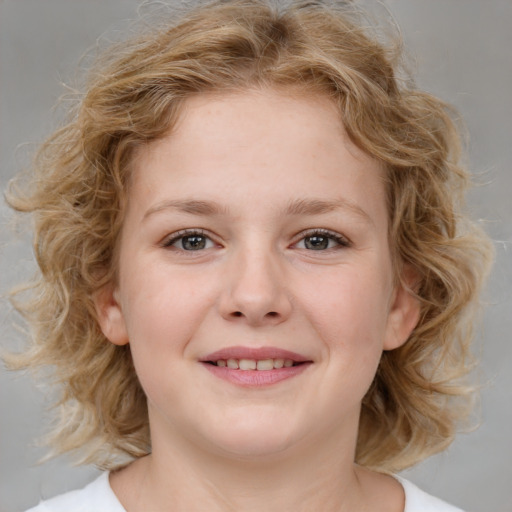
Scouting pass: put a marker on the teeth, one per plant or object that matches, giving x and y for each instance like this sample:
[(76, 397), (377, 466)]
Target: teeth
[(265, 364), (253, 364), (247, 364)]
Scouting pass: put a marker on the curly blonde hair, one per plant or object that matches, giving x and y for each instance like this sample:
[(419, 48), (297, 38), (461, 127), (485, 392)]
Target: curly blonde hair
[(77, 191)]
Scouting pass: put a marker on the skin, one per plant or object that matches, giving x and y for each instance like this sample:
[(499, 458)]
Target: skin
[(257, 282)]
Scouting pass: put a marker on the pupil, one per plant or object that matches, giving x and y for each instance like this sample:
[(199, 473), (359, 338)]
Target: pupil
[(193, 243), (316, 242)]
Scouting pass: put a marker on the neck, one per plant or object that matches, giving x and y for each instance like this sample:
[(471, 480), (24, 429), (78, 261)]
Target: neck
[(316, 474), (183, 477), (242, 485)]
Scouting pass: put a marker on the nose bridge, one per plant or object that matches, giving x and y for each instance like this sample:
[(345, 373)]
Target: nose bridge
[(255, 285)]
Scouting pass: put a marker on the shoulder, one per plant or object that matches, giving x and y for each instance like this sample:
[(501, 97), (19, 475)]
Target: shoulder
[(417, 500), (98, 495)]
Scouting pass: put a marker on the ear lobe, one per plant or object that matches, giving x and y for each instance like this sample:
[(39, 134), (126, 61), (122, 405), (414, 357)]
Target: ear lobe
[(110, 315), (404, 313)]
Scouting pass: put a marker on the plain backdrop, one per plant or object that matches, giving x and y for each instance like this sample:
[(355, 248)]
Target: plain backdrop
[(462, 51)]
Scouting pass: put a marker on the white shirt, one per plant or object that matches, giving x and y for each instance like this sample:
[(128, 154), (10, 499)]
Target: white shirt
[(99, 497)]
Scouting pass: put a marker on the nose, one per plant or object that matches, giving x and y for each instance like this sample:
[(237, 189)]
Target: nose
[(254, 290)]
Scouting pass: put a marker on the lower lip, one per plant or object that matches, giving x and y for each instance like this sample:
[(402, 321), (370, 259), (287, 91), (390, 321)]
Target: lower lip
[(256, 378)]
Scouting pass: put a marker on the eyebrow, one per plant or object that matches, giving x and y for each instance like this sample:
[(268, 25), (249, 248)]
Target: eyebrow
[(191, 206), (319, 206), (294, 207)]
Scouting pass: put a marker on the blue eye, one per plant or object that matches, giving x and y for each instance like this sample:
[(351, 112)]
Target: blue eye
[(190, 241), (321, 240)]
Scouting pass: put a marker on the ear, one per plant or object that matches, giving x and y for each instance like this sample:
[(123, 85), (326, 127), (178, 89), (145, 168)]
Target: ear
[(405, 311), (110, 315)]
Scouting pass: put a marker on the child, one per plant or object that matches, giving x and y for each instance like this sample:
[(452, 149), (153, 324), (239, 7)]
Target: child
[(255, 278)]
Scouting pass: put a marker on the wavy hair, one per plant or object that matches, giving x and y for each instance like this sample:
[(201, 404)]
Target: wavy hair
[(77, 191)]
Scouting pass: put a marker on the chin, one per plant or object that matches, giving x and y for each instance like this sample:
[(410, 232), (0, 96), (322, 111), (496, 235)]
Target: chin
[(254, 440), (254, 448)]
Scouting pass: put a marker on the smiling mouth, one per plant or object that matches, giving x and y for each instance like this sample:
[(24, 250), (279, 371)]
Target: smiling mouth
[(255, 367), (255, 364)]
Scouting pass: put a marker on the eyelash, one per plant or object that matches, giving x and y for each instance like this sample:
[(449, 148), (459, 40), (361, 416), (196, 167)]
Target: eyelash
[(169, 242), (342, 241)]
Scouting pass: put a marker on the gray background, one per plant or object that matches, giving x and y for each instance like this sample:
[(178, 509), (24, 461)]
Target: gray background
[(462, 50)]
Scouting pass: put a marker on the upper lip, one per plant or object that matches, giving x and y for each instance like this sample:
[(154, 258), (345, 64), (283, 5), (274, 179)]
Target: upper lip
[(254, 353)]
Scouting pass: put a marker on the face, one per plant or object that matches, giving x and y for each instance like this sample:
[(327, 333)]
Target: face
[(255, 281)]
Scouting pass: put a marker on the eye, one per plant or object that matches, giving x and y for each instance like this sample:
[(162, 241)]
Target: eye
[(189, 240), (321, 240)]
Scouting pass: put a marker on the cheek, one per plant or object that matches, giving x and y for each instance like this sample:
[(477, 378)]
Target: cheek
[(162, 310), (162, 316), (166, 308), (348, 309), (348, 312)]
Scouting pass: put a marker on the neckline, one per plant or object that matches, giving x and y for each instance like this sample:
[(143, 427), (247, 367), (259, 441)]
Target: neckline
[(104, 480)]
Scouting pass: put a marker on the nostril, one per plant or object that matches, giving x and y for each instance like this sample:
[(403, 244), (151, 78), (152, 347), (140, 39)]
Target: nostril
[(272, 314)]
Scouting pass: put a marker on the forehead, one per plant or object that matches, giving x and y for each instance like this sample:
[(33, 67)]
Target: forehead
[(272, 144)]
